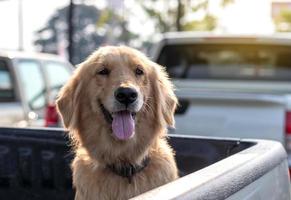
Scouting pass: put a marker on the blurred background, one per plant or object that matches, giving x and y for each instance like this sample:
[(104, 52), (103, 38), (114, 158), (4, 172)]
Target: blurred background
[(73, 29)]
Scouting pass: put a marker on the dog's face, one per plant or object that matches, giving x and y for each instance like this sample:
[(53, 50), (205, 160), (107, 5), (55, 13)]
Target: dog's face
[(119, 97), (121, 86)]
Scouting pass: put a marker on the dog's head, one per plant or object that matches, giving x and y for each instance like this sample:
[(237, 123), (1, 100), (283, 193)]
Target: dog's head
[(119, 94)]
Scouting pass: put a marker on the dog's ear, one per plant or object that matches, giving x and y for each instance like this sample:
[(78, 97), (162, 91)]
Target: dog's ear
[(68, 101), (165, 99)]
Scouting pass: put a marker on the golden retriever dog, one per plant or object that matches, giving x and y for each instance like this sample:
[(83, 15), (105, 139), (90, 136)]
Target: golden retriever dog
[(117, 106)]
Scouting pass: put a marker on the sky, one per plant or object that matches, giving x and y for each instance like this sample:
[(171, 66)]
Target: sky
[(244, 16), (247, 16), (35, 15)]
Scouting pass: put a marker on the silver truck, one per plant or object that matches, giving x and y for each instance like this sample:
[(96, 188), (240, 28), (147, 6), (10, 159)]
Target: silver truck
[(230, 85), (29, 83)]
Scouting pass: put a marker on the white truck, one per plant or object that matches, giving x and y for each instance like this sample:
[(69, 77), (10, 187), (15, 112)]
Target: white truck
[(230, 85), (29, 83)]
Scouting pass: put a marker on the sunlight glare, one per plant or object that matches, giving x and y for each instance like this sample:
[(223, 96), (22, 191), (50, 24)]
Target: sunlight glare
[(247, 17)]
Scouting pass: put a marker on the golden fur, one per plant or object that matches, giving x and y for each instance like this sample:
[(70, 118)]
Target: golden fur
[(94, 144)]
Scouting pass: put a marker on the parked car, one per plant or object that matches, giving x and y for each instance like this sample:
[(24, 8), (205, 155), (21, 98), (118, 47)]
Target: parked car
[(35, 165), (29, 83), (230, 85)]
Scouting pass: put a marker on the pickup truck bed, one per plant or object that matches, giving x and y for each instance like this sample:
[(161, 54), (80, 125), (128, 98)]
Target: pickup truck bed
[(34, 164)]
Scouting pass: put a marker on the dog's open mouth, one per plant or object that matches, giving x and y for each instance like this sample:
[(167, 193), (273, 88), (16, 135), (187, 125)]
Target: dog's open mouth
[(122, 122)]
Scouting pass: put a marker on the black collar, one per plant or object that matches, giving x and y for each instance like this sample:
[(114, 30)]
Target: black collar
[(128, 170)]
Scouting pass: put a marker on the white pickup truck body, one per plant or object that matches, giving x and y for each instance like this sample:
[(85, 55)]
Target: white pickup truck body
[(29, 83), (229, 85)]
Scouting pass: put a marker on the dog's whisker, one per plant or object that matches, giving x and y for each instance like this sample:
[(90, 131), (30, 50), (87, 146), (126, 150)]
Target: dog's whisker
[(148, 108), (145, 108)]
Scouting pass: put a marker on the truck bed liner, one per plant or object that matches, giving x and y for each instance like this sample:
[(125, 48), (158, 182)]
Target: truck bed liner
[(34, 163)]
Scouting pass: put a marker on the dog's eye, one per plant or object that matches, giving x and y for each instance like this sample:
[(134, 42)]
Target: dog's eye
[(103, 71), (138, 71)]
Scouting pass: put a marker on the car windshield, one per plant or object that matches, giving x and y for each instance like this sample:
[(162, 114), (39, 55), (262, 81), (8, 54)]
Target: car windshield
[(227, 61), (6, 89)]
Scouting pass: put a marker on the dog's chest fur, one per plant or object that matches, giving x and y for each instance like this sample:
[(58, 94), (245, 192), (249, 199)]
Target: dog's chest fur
[(95, 182)]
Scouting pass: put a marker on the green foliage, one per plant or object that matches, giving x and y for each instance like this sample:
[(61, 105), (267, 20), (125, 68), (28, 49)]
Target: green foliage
[(106, 16), (92, 28), (226, 2), (208, 23), (286, 15), (283, 21), (175, 15), (164, 17), (53, 35), (116, 27)]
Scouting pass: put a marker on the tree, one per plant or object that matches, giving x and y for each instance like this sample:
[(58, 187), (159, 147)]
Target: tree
[(283, 21), (178, 15), (115, 27), (92, 28), (53, 37)]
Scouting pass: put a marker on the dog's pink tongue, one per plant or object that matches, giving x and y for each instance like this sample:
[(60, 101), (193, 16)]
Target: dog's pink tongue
[(123, 125)]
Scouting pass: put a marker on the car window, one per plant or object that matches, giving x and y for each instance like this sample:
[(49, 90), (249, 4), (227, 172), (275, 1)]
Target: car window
[(227, 61), (57, 74), (6, 85), (32, 82)]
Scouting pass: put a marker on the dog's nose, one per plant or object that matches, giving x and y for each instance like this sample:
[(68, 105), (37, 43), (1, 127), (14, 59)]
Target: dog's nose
[(125, 95)]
